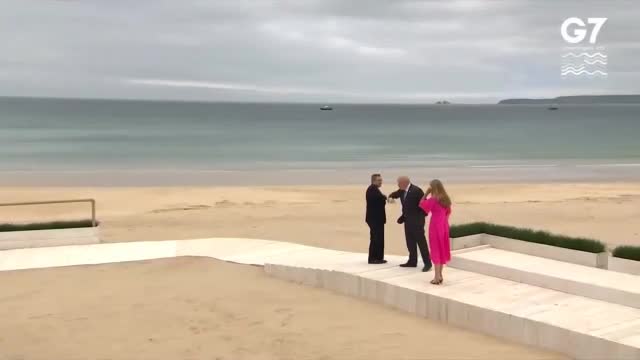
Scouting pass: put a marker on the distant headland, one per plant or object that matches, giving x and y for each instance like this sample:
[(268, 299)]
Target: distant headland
[(579, 99)]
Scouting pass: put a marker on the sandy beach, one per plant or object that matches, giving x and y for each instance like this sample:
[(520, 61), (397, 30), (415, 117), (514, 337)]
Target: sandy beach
[(329, 216), (187, 308)]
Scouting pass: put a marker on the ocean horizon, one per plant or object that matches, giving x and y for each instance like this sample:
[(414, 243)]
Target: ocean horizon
[(127, 142)]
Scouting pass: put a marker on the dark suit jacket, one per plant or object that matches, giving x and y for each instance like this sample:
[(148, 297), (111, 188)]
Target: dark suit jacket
[(376, 202), (411, 211)]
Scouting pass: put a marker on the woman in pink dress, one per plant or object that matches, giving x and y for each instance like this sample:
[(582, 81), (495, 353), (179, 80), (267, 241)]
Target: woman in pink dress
[(439, 205)]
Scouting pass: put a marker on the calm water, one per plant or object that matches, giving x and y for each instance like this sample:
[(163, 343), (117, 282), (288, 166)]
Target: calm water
[(75, 135)]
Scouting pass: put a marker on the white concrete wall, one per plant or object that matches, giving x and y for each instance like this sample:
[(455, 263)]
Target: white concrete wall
[(467, 241), (45, 238), (549, 252), (624, 265)]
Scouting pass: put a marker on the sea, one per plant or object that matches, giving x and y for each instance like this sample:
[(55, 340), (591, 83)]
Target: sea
[(123, 142)]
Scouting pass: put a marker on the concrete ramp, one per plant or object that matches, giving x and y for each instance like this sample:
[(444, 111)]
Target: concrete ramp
[(609, 286), (580, 327), (579, 311)]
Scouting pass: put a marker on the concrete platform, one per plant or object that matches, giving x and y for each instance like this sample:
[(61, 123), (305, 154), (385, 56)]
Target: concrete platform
[(579, 324), (609, 286), (44, 257), (48, 238), (576, 326)]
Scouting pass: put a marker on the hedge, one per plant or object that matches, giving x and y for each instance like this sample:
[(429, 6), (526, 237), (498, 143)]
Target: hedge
[(529, 235), (627, 252), (46, 225)]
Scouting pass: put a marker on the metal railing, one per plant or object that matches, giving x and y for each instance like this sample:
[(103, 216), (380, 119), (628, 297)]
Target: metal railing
[(92, 201)]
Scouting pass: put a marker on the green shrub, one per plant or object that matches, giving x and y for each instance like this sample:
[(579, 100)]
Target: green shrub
[(46, 225), (534, 236), (627, 252), (466, 229)]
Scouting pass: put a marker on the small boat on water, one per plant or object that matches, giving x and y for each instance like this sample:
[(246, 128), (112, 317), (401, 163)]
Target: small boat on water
[(553, 107), (326, 107)]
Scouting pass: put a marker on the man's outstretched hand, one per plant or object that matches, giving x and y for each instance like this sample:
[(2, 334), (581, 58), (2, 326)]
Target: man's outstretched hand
[(396, 194)]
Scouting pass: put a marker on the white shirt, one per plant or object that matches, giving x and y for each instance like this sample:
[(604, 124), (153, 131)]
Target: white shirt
[(404, 196)]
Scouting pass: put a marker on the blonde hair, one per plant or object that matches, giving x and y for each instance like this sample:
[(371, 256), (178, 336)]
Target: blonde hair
[(438, 192)]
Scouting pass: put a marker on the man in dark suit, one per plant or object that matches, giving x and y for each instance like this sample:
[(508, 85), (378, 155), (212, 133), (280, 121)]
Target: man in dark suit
[(413, 219), (376, 218)]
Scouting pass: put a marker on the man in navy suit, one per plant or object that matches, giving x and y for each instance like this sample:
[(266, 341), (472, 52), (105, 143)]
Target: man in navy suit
[(413, 219), (376, 218)]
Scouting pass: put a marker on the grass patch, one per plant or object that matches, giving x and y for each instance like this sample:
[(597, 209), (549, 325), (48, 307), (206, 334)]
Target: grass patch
[(534, 236), (47, 225), (627, 252)]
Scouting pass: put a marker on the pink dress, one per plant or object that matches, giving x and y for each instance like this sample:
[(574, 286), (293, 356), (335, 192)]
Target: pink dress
[(439, 243)]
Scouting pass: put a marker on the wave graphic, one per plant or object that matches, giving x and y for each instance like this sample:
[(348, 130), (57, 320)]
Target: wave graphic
[(593, 62), (573, 67), (596, 72), (584, 66), (584, 54), (584, 62)]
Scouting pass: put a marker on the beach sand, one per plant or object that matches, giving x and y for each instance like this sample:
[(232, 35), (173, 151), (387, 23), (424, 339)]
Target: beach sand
[(330, 216), (187, 308), (191, 308)]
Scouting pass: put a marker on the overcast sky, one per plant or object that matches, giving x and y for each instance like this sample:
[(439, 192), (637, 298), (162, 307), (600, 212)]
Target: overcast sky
[(307, 50)]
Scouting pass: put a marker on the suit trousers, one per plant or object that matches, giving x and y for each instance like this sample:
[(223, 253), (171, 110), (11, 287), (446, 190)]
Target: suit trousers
[(376, 241), (415, 238)]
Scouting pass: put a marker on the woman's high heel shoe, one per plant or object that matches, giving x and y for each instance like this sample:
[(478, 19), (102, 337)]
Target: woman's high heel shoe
[(436, 282)]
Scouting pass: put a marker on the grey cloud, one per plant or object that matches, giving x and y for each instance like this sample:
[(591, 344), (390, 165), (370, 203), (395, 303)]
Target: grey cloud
[(305, 50)]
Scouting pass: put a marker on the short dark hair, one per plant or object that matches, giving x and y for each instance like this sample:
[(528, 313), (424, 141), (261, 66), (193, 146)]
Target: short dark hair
[(374, 177)]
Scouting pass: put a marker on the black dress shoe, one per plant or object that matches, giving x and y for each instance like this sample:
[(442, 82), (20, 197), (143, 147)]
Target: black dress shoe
[(377, 261), (408, 265), (426, 268)]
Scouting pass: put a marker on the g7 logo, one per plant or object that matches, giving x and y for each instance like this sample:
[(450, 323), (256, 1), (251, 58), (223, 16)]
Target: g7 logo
[(580, 33)]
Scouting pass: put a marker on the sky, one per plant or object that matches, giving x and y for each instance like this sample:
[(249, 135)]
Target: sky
[(326, 51)]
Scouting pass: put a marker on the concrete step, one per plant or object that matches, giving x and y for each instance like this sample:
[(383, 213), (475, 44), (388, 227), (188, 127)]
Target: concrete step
[(594, 283), (579, 327)]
